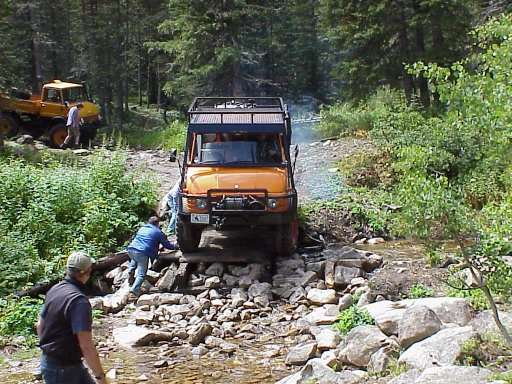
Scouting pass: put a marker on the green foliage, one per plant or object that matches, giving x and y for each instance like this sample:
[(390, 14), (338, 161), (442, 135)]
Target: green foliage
[(370, 169), (352, 317), (18, 318), (167, 138), (418, 291), (48, 210), (502, 376), (475, 297)]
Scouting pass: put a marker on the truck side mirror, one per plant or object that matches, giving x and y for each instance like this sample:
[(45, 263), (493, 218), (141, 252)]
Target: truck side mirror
[(173, 155)]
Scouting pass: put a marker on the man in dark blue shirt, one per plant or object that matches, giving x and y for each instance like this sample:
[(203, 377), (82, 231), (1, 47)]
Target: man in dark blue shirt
[(64, 329), (144, 247)]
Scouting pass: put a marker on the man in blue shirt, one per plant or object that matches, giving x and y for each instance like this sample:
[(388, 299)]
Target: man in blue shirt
[(143, 248)]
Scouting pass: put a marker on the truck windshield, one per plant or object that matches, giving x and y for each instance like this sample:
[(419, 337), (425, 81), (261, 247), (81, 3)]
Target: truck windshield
[(74, 94), (232, 149)]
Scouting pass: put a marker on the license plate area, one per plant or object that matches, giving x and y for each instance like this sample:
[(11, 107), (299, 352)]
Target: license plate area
[(200, 218)]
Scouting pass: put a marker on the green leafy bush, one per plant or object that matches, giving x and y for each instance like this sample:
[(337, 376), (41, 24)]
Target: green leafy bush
[(475, 297), (172, 136), (48, 210), (18, 318), (418, 291), (352, 317)]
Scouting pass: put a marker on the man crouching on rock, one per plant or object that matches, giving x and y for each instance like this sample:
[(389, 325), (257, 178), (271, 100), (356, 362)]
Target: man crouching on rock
[(143, 248), (65, 326)]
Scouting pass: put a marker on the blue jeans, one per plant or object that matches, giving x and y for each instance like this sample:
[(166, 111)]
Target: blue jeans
[(172, 202), (140, 261), (54, 373)]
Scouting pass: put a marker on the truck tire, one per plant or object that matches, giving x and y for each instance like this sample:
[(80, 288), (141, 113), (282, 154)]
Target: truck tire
[(57, 135), (87, 134), (188, 235), (287, 238), (8, 125)]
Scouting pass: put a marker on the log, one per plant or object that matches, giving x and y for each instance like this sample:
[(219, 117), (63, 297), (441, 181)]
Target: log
[(110, 262)]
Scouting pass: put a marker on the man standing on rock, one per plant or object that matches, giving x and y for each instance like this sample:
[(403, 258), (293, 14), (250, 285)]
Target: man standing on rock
[(65, 329), (143, 248)]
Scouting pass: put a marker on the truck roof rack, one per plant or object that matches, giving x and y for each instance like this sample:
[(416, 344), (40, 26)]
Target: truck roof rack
[(238, 114)]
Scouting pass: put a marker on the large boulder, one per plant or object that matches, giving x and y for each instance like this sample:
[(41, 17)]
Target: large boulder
[(484, 322), (417, 324), (134, 336), (441, 349), (360, 343), (322, 296), (300, 354), (451, 374), (317, 371), (387, 314)]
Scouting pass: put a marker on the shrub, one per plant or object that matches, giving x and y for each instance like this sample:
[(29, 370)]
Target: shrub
[(475, 297), (418, 291), (352, 317), (48, 210), (18, 317)]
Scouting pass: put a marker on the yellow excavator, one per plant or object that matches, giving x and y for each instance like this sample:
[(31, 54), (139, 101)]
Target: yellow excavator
[(46, 114)]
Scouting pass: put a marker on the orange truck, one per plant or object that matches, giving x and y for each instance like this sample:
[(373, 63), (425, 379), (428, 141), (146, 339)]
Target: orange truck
[(46, 114), (237, 171)]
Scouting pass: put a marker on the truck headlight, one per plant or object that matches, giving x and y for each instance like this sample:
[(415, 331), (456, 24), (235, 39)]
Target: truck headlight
[(201, 203), (272, 203)]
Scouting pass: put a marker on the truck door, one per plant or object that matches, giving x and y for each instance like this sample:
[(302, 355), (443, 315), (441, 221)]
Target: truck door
[(52, 104)]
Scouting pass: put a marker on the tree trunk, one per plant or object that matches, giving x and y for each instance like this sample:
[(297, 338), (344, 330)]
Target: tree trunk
[(420, 51), (148, 81), (403, 46)]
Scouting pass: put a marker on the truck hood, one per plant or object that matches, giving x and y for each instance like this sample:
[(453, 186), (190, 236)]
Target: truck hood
[(202, 179)]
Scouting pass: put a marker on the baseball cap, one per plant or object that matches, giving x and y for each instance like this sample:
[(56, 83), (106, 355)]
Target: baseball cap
[(80, 261)]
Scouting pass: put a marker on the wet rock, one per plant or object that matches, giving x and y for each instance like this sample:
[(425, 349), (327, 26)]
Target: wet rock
[(417, 324), (135, 336), (198, 333), (301, 353), (212, 282), (360, 343), (320, 297), (324, 315), (343, 275), (345, 301), (216, 269), (443, 348)]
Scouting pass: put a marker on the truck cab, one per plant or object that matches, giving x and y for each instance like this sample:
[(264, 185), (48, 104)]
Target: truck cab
[(237, 171)]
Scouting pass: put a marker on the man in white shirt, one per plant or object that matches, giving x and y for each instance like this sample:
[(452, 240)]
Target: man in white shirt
[(172, 202), (73, 125)]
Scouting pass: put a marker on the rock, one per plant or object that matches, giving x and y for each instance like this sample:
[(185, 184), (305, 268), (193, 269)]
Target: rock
[(320, 297), (365, 299), (443, 348), (301, 353), (238, 297), (177, 309), (238, 271), (213, 294), (199, 333), (324, 315), (161, 364), (216, 269), (260, 289), (25, 139), (81, 152), (97, 303), (152, 276), (212, 282), (307, 278), (329, 358), (230, 280), (135, 336), (343, 275), (116, 301), (318, 372), (329, 274), (289, 266), (327, 339), (417, 324), (345, 301), (168, 280), (262, 301), (199, 351), (380, 360), (317, 267), (245, 282), (143, 317), (159, 298), (256, 271), (373, 262), (451, 374), (298, 294), (484, 322), (358, 281), (111, 374), (376, 240), (360, 343), (387, 314)]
